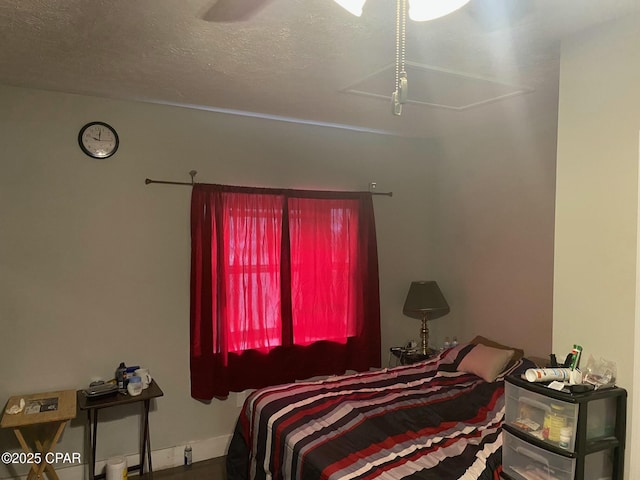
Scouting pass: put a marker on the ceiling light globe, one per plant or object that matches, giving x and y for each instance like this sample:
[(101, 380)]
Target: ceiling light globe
[(423, 10), (352, 6)]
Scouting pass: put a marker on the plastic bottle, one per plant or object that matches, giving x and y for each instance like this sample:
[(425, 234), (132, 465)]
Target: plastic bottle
[(121, 377), (575, 356), (547, 374), (130, 372), (188, 455), (454, 342), (565, 437), (446, 345), (554, 421)]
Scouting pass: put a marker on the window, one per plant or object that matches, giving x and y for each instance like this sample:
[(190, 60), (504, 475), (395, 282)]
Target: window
[(284, 286)]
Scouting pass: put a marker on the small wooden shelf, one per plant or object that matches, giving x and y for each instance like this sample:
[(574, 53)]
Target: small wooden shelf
[(93, 405), (36, 414)]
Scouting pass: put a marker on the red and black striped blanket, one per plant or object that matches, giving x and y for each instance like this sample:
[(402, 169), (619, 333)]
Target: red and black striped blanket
[(425, 421)]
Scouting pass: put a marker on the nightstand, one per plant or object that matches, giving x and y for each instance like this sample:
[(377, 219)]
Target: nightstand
[(574, 435), (409, 356)]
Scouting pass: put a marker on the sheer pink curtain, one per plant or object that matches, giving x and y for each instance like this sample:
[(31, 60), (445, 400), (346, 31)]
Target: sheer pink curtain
[(284, 285), (251, 241), (324, 262)]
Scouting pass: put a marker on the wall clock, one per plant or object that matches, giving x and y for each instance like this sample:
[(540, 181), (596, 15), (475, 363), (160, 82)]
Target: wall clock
[(98, 140)]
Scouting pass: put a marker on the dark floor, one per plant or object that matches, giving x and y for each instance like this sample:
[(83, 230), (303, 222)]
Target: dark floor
[(209, 469)]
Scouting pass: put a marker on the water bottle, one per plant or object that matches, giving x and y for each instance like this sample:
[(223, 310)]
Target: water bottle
[(121, 377), (446, 345), (187, 455), (454, 342)]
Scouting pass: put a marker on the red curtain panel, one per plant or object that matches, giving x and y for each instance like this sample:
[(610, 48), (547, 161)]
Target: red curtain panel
[(284, 286)]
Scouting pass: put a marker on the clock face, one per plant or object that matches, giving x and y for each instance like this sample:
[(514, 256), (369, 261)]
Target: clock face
[(98, 140)]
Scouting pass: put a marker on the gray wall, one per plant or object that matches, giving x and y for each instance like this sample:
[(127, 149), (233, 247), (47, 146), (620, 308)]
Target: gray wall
[(95, 265), (492, 235)]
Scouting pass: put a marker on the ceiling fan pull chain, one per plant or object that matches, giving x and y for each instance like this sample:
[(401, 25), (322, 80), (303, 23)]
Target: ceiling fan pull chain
[(399, 96), (398, 41), (402, 80)]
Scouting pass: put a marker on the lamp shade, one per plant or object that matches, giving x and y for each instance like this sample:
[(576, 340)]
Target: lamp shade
[(425, 300)]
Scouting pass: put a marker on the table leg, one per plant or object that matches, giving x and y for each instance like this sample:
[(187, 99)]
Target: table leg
[(145, 447), (43, 447), (93, 436), (51, 473), (26, 449), (150, 465)]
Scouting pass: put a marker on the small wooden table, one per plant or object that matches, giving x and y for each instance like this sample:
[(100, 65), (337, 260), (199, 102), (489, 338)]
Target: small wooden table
[(409, 357), (51, 411), (93, 405)]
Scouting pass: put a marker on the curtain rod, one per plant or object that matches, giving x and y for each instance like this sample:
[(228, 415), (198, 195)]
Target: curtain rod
[(193, 173)]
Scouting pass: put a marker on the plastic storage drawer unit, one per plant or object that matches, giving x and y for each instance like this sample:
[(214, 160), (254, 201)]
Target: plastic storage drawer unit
[(560, 435), (554, 421), (550, 420), (524, 461)]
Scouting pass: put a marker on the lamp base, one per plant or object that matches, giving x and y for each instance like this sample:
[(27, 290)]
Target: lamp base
[(424, 336)]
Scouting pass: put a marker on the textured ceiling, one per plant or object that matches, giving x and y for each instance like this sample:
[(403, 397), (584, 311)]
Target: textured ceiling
[(303, 59)]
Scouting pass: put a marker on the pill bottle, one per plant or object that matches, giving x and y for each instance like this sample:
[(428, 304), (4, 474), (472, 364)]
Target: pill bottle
[(554, 421), (565, 437)]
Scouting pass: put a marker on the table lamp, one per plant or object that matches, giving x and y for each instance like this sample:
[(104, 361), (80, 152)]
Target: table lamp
[(425, 302)]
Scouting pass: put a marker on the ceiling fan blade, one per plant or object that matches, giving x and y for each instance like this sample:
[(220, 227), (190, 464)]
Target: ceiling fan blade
[(233, 10)]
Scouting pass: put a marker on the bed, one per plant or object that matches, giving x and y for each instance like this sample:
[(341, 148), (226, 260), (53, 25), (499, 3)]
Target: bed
[(437, 419)]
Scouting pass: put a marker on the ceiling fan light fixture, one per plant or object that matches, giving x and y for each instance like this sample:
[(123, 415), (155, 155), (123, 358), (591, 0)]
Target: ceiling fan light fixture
[(423, 10), (352, 6)]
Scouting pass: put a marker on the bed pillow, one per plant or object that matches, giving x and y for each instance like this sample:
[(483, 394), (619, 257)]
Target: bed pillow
[(518, 353), (486, 362)]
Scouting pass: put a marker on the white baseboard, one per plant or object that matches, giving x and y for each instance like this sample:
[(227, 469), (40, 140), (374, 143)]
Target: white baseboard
[(162, 459)]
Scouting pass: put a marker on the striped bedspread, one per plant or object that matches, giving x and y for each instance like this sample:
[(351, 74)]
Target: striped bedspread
[(424, 421)]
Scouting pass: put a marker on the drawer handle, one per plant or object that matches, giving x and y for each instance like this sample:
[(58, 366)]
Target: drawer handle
[(534, 403), (533, 456)]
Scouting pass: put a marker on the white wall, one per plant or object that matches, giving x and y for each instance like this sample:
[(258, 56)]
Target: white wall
[(596, 240), (493, 233), (95, 265)]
